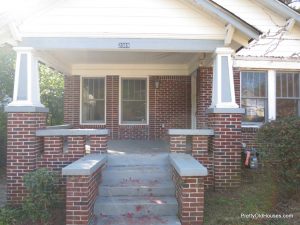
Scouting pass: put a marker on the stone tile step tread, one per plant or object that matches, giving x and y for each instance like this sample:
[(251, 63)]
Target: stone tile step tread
[(144, 220), (145, 168), (166, 189), (134, 182), (131, 200), (137, 206), (139, 159)]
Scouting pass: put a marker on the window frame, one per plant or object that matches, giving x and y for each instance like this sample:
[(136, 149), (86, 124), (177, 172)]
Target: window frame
[(249, 123), (81, 101), (120, 100), (280, 72)]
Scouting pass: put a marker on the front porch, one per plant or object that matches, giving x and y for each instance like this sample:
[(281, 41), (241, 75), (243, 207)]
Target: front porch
[(123, 147)]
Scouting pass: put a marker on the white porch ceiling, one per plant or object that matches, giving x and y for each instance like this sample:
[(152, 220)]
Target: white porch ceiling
[(87, 62), (101, 57)]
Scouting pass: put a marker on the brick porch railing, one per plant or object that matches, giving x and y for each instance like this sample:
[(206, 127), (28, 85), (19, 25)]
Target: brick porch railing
[(83, 178), (188, 176), (201, 148)]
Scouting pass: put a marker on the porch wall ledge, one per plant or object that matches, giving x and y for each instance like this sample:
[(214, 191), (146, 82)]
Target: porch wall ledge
[(195, 132), (63, 126), (186, 165), (85, 166), (71, 132), (226, 110), (14, 109)]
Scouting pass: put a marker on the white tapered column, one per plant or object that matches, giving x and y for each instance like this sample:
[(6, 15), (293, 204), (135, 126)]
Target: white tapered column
[(223, 95), (26, 84)]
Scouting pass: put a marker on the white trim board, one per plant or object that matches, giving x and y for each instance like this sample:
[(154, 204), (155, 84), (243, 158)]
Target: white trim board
[(120, 106), (266, 64), (105, 99), (123, 44)]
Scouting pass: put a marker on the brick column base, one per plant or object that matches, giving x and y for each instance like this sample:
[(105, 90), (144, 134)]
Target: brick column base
[(190, 197), (80, 198), (226, 146), (23, 148), (178, 144), (203, 153)]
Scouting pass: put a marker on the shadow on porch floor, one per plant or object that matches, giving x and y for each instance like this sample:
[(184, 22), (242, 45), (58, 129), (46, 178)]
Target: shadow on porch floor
[(137, 146)]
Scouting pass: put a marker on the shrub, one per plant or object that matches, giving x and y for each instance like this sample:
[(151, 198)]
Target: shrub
[(42, 187), (279, 144), (8, 216)]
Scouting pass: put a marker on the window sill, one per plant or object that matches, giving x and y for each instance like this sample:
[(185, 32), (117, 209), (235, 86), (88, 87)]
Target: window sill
[(251, 125)]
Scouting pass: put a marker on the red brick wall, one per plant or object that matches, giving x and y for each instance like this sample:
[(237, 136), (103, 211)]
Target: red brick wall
[(72, 100), (204, 94), (226, 149), (169, 107), (81, 196), (170, 104), (248, 136), (201, 150), (190, 198), (22, 149)]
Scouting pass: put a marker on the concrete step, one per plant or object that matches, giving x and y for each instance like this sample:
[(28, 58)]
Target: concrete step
[(138, 159), (144, 220), (119, 173), (135, 206), (132, 181), (163, 189)]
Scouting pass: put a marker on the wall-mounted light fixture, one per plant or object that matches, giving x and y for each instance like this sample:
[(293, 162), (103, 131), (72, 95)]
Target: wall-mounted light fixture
[(156, 84)]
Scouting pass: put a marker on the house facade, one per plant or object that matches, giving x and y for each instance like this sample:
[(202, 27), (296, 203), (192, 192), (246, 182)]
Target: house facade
[(206, 72)]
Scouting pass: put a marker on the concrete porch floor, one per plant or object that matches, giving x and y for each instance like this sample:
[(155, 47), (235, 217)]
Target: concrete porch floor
[(121, 147)]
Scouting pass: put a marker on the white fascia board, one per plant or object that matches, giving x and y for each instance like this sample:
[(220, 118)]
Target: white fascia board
[(123, 44), (229, 18), (281, 8)]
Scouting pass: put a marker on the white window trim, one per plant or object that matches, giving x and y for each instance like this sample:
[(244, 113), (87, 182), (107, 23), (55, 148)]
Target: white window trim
[(92, 123), (247, 124), (120, 99)]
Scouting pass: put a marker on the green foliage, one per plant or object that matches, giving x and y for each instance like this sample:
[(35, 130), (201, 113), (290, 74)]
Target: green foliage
[(42, 187), (8, 216), (279, 144), (52, 91), (7, 62)]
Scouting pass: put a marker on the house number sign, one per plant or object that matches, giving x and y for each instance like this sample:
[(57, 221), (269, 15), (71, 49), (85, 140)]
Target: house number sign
[(124, 45)]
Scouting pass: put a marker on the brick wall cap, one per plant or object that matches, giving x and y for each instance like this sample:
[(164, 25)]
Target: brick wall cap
[(251, 125), (71, 132), (85, 166), (192, 132), (12, 109), (63, 126), (226, 110), (186, 165)]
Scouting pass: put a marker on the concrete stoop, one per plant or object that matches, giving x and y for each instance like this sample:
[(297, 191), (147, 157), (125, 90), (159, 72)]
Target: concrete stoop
[(137, 190)]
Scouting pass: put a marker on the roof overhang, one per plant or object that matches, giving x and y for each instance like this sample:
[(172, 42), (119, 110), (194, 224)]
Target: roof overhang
[(282, 8), (230, 18)]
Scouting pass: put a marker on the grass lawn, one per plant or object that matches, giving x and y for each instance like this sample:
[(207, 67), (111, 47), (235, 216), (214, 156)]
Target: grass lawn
[(257, 194)]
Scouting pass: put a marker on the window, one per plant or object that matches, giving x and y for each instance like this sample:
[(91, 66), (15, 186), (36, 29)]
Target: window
[(133, 101), (287, 94), (93, 100), (254, 95)]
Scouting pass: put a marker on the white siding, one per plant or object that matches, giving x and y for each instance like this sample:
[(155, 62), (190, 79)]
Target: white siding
[(276, 43), (254, 14), (129, 18)]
